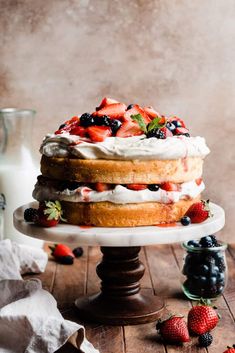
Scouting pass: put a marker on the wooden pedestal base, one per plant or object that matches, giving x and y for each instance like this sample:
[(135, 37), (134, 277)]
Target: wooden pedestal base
[(121, 301)]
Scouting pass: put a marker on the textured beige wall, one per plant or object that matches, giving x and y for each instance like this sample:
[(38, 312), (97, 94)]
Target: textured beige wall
[(61, 56)]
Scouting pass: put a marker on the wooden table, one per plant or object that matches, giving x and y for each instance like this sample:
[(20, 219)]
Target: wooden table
[(162, 276)]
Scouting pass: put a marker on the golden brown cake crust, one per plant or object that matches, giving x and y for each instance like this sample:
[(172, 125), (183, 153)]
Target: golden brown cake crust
[(106, 214), (122, 172)]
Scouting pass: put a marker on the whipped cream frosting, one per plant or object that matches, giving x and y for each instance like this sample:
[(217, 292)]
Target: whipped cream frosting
[(119, 195), (130, 148)]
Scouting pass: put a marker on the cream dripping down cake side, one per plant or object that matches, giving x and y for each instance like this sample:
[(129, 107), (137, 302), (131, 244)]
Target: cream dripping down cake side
[(122, 166)]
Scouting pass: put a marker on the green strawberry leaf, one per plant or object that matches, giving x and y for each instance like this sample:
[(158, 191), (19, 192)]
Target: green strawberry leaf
[(140, 121)]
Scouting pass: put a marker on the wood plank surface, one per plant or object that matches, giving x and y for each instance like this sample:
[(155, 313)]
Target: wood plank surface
[(163, 277)]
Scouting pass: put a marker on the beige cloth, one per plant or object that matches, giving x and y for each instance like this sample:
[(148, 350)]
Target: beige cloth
[(29, 319)]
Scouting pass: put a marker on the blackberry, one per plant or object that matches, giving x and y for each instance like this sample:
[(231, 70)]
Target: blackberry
[(65, 260), (30, 214), (214, 240), (153, 187), (206, 242), (62, 126), (209, 259), (158, 133), (115, 125), (185, 221), (86, 120), (205, 340), (221, 264), (130, 106), (170, 126), (103, 120), (78, 252)]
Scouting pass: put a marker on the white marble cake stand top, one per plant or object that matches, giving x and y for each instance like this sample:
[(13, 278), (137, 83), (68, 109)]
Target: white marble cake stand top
[(133, 236)]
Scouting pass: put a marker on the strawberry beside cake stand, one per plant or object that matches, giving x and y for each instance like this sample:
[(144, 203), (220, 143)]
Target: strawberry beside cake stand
[(121, 300)]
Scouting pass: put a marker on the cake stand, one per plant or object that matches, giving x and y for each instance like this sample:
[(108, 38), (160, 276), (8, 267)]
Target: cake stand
[(121, 300)]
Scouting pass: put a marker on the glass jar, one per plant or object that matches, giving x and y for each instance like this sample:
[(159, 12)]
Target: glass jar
[(18, 171), (205, 271)]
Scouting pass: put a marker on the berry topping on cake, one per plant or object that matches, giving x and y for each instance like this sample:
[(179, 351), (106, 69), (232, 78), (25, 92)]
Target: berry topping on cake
[(168, 186), (136, 187), (102, 187), (199, 211), (123, 121)]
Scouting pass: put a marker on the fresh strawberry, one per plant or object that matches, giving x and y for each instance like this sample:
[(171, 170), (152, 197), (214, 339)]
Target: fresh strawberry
[(102, 187), (198, 181), (98, 133), (114, 111), (74, 119), (63, 254), (181, 131), (166, 132), (199, 211), (49, 214), (175, 119), (106, 101), (78, 130), (202, 318), (173, 330), (135, 110), (152, 113), (230, 349), (168, 186), (136, 187), (128, 129)]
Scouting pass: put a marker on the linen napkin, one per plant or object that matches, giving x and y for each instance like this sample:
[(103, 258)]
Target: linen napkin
[(29, 319)]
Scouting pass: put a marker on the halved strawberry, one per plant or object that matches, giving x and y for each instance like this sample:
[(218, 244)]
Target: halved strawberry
[(198, 181), (166, 131), (73, 120), (98, 133), (168, 186), (78, 130), (152, 113), (175, 118), (102, 187), (128, 129), (106, 101), (136, 109), (114, 111), (136, 187), (181, 131)]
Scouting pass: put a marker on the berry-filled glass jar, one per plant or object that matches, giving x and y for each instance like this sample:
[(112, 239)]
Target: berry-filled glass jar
[(204, 268)]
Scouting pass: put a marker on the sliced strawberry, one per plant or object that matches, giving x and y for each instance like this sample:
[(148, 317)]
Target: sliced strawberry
[(136, 109), (98, 133), (128, 129), (175, 118), (74, 119), (106, 101), (181, 131), (102, 187), (152, 113), (136, 187), (168, 186), (166, 131), (114, 111), (78, 130), (198, 181)]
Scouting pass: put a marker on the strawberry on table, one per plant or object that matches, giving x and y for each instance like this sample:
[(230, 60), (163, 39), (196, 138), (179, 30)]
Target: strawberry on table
[(63, 254), (114, 111), (136, 187), (202, 318), (199, 211), (99, 133), (173, 330), (230, 349)]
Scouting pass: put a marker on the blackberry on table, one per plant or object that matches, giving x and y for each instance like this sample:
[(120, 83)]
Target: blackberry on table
[(205, 340), (30, 214)]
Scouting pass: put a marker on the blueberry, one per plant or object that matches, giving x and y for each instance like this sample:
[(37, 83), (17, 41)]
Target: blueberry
[(115, 125), (78, 252), (176, 123), (212, 281), (214, 240), (202, 280), (130, 106), (220, 277), (30, 214), (214, 270), (170, 126), (62, 126), (153, 187), (221, 264), (206, 242), (185, 221), (86, 120), (103, 120), (203, 269), (193, 243)]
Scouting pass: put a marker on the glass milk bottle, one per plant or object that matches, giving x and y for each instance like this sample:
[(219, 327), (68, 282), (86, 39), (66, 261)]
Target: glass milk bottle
[(18, 171)]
